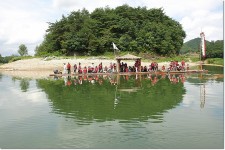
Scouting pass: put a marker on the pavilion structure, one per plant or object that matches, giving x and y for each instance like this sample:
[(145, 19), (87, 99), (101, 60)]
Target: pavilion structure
[(127, 57)]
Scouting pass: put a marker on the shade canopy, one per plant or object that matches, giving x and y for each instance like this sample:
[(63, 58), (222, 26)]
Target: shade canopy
[(128, 57)]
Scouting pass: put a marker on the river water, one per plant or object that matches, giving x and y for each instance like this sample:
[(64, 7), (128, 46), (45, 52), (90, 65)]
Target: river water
[(149, 111)]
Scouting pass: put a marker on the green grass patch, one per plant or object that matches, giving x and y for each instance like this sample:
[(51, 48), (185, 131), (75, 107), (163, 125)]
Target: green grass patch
[(215, 61), (16, 58)]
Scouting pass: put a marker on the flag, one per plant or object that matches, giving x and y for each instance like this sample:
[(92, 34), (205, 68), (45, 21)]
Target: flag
[(114, 46)]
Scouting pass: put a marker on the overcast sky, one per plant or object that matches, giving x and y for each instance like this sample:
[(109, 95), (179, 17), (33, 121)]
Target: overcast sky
[(25, 21)]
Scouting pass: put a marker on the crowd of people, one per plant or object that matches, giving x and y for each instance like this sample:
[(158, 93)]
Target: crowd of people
[(135, 68), (175, 66), (78, 68), (90, 69)]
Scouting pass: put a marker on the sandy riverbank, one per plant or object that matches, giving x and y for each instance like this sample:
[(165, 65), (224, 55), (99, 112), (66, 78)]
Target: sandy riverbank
[(42, 67), (40, 64)]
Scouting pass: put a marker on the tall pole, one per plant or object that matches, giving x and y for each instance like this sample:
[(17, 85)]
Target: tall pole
[(202, 49), (203, 46)]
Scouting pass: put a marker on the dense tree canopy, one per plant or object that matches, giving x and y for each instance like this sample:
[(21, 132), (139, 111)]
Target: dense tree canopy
[(214, 49), (131, 29)]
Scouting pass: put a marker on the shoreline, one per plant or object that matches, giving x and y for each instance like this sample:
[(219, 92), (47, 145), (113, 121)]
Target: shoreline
[(41, 68), (40, 64)]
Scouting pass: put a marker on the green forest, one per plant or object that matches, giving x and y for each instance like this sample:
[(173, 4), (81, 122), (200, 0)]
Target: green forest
[(141, 31), (131, 29), (214, 49)]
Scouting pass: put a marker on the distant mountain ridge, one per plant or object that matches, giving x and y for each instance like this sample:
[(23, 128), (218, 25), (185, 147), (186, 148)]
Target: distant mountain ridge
[(191, 46), (214, 49)]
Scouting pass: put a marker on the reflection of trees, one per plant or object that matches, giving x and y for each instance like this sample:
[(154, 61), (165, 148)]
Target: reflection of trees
[(96, 102), (215, 74), (0, 76), (196, 79), (204, 78), (14, 79), (201, 80), (214, 69), (24, 85)]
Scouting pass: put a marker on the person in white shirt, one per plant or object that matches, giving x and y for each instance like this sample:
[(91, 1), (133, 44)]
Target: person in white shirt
[(64, 68)]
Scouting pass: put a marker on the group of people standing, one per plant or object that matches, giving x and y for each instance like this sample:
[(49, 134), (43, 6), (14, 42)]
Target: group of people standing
[(78, 69), (135, 68), (173, 66), (66, 68)]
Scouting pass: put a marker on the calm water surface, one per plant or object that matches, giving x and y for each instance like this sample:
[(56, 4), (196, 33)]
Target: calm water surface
[(151, 111)]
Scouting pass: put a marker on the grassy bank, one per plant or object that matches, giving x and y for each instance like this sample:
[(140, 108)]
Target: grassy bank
[(215, 61)]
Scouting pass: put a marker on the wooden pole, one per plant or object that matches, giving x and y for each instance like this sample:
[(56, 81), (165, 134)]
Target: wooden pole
[(118, 66)]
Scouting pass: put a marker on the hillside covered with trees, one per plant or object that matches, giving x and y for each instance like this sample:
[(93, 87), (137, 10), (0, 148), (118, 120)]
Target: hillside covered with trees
[(214, 49), (131, 29), (191, 46)]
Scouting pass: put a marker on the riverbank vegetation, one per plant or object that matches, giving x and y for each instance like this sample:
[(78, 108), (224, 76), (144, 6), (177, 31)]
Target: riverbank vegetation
[(216, 61), (12, 58)]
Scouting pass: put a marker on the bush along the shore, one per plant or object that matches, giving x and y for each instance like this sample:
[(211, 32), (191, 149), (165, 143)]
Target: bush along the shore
[(216, 61), (12, 58)]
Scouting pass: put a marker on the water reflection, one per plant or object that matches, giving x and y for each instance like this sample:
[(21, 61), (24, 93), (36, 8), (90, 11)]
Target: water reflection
[(24, 83), (202, 95), (114, 97), (200, 80), (150, 111), (215, 73), (214, 69), (0, 76)]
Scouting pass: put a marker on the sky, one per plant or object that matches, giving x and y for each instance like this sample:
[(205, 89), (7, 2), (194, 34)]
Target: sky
[(26, 21)]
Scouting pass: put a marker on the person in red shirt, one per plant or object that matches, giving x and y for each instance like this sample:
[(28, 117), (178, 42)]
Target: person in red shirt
[(182, 63), (79, 68), (68, 68), (96, 69), (126, 69), (85, 70), (152, 66)]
